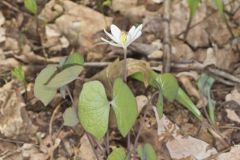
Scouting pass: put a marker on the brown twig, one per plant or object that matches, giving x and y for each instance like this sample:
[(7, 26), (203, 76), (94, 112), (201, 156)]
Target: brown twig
[(166, 40)]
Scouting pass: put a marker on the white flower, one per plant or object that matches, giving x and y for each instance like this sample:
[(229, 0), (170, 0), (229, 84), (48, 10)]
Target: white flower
[(120, 38)]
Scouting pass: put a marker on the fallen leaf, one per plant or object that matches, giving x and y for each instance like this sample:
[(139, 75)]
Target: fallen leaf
[(233, 154), (114, 70), (233, 96), (180, 146), (14, 120)]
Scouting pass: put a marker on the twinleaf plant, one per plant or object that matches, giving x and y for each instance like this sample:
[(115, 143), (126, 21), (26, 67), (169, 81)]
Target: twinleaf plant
[(96, 103)]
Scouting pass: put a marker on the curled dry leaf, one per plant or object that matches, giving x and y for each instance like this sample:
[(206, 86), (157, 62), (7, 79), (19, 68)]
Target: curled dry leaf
[(14, 120), (114, 70)]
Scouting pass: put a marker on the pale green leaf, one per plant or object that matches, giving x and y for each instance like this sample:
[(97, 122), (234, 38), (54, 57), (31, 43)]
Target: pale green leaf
[(117, 154), (41, 91), (220, 6), (168, 85), (159, 105), (193, 6), (65, 76), (183, 99), (205, 83), (124, 105), (18, 73), (70, 117), (74, 59), (31, 6), (147, 152), (93, 109)]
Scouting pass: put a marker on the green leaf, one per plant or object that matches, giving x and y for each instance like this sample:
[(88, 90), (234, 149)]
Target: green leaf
[(117, 154), (147, 152), (93, 109), (74, 59), (205, 83), (220, 6), (151, 79), (18, 73), (41, 91), (159, 106), (70, 117), (107, 3), (168, 85), (193, 6), (31, 6), (124, 105), (183, 99), (64, 77)]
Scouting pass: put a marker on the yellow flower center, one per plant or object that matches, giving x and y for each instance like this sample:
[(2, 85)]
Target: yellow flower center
[(123, 38)]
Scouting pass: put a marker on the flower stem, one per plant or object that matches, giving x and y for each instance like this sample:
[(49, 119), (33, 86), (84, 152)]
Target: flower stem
[(125, 72)]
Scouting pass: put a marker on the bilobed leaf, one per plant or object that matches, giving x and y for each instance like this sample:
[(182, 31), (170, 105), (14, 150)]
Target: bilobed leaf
[(70, 117), (193, 6), (31, 6), (168, 85), (41, 91), (124, 105), (65, 76), (220, 6), (147, 152), (93, 109), (117, 154)]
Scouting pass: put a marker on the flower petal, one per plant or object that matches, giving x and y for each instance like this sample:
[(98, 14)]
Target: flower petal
[(130, 34), (116, 32), (139, 28), (111, 43), (134, 38), (109, 35)]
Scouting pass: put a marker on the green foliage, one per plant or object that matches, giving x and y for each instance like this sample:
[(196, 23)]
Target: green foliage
[(31, 6), (159, 105), (53, 77), (93, 109), (107, 3), (65, 76), (41, 91), (147, 152), (70, 117), (124, 105), (117, 154), (193, 6), (205, 83), (18, 73), (180, 97), (183, 99), (74, 59), (168, 85), (220, 6)]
